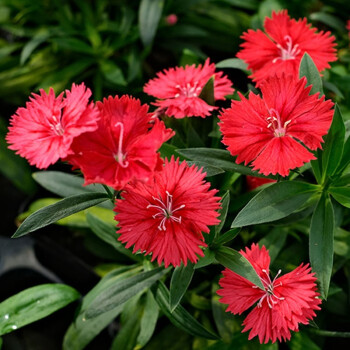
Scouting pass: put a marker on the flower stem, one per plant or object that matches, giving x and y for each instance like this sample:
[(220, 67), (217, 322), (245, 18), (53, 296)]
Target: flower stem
[(109, 192), (331, 333)]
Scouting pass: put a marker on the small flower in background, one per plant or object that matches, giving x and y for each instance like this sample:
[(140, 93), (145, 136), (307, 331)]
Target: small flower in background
[(285, 301), (171, 20), (178, 90), (166, 217), (266, 131), (124, 147), (280, 50), (254, 182), (44, 131), (348, 27)]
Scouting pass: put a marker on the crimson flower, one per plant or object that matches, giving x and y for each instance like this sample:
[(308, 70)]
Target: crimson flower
[(285, 301), (124, 146), (266, 131), (166, 217), (178, 90), (254, 182), (280, 50), (43, 131)]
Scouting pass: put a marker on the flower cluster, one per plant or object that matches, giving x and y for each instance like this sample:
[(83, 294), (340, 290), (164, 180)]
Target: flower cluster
[(163, 207)]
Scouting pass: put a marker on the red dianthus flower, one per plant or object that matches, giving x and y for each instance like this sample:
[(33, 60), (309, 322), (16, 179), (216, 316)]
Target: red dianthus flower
[(178, 90), (280, 50), (254, 182), (285, 301), (266, 131), (43, 131), (124, 147), (166, 217)]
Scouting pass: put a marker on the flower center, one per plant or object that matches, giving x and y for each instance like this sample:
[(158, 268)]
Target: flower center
[(274, 123), (269, 285), (289, 53), (189, 90), (56, 126), (120, 156), (165, 211)]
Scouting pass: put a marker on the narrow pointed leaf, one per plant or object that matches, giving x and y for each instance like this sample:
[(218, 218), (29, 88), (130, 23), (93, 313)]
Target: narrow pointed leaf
[(63, 184), (122, 291), (236, 63), (207, 259), (180, 317), (150, 12), (218, 158), (83, 330), (236, 262), (309, 70), (207, 93), (33, 304), (54, 212), (341, 195), (108, 233), (227, 236), (321, 243), (225, 202), (148, 321), (334, 144), (179, 283), (275, 202)]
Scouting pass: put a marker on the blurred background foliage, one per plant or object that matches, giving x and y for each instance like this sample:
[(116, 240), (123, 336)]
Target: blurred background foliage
[(115, 46)]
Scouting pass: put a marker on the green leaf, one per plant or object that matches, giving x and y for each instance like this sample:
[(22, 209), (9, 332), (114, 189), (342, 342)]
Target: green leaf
[(63, 184), (109, 235), (68, 206), (236, 63), (0, 343), (341, 195), (321, 243), (331, 21), (150, 12), (33, 304), (275, 202), (309, 70), (180, 317), (112, 73), (333, 146), (74, 220), (148, 321), (120, 292), (209, 169), (225, 202), (345, 158), (207, 93), (83, 330), (130, 325), (300, 341), (236, 262), (274, 242), (218, 158), (31, 45), (207, 259), (74, 45), (180, 280), (226, 237)]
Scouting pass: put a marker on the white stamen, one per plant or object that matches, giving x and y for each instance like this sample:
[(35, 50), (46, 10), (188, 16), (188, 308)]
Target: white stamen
[(275, 125), (271, 298), (166, 211), (288, 53)]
